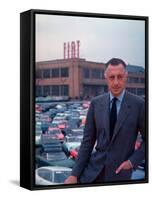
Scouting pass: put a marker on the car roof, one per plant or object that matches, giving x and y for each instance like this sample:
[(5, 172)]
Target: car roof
[(54, 128), (55, 168)]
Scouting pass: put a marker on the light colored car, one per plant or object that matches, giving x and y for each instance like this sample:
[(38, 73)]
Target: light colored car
[(138, 174), (77, 132), (51, 175), (59, 118), (38, 137), (38, 133), (73, 142)]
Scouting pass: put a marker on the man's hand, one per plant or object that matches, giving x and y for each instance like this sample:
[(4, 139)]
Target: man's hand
[(71, 180), (126, 165)]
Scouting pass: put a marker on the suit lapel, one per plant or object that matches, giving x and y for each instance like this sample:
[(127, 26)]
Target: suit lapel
[(123, 114), (104, 109)]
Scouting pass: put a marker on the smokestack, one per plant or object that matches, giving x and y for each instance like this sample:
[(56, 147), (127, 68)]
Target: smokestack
[(68, 50), (64, 47), (72, 49), (78, 46)]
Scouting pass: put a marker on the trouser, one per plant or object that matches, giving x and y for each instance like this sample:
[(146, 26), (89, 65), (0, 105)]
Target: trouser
[(101, 177)]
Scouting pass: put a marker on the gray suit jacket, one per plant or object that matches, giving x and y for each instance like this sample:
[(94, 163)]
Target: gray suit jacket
[(109, 154)]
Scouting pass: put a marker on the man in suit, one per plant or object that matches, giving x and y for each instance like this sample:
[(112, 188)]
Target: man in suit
[(107, 152)]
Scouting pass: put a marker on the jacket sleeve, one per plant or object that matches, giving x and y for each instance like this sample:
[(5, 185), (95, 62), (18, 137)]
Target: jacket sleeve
[(87, 144), (139, 154)]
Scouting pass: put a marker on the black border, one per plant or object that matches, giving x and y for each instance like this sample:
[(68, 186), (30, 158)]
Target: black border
[(27, 95), (25, 156)]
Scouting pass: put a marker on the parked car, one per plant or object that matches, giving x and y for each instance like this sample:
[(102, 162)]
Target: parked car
[(53, 155), (45, 117), (74, 123), (54, 159), (51, 175), (73, 142), (86, 104), (74, 152), (45, 126), (54, 133), (77, 132), (38, 108), (38, 133), (139, 173)]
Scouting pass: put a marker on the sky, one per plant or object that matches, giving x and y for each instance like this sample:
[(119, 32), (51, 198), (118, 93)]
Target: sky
[(100, 38)]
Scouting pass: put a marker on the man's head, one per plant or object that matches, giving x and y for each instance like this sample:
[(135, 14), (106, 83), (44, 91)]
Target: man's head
[(116, 76)]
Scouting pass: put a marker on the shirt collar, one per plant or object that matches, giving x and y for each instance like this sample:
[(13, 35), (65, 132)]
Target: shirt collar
[(120, 97)]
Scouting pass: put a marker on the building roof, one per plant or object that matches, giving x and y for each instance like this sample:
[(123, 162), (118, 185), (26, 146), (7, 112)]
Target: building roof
[(135, 69)]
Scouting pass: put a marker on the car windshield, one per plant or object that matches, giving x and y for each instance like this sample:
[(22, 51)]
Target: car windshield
[(74, 139), (56, 121), (38, 132), (46, 174), (77, 132), (75, 114), (60, 176), (56, 131), (56, 156)]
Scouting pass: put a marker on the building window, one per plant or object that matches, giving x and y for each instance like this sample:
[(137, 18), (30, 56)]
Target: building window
[(132, 90), (55, 72), (64, 90), (65, 72), (55, 90), (105, 88), (46, 73), (46, 90), (140, 91), (96, 73), (141, 80), (133, 80), (86, 91), (39, 91), (38, 73), (92, 90), (86, 73)]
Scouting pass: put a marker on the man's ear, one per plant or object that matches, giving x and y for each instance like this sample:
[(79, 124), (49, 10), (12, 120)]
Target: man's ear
[(126, 74), (105, 75)]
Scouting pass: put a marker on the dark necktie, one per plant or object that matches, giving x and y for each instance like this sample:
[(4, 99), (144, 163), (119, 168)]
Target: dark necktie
[(113, 116)]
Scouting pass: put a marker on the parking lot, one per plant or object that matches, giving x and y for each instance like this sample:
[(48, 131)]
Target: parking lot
[(59, 130)]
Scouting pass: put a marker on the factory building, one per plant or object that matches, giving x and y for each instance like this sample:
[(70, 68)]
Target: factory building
[(76, 77)]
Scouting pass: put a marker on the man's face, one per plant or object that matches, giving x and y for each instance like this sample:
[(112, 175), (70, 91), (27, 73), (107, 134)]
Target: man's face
[(116, 78)]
